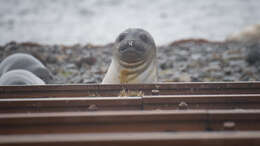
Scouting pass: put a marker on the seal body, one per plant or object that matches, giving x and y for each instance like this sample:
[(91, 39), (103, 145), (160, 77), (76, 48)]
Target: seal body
[(20, 77), (248, 35), (25, 62), (134, 59)]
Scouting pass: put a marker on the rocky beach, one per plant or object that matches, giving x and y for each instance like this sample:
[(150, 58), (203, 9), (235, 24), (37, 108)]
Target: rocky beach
[(192, 60)]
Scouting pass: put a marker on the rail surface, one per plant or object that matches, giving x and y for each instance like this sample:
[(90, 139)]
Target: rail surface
[(152, 102), (96, 90), (248, 138), (130, 121)]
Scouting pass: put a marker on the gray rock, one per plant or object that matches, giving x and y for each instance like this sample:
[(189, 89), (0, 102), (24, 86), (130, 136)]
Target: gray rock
[(253, 55)]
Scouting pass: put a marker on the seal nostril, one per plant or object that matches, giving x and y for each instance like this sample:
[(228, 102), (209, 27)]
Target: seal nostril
[(130, 43)]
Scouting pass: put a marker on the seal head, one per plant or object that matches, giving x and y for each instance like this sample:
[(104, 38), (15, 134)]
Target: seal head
[(133, 46), (134, 58)]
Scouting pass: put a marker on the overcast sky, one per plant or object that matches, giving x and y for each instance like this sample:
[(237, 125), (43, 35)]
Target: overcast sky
[(100, 21)]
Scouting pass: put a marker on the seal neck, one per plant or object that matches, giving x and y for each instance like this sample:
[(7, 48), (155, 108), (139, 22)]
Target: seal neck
[(137, 72)]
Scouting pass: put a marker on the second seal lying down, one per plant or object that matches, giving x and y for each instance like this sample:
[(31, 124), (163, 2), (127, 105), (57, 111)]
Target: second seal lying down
[(22, 61), (134, 59), (20, 77)]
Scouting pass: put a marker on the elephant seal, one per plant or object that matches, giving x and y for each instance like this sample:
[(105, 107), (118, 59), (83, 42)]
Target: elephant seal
[(20, 77), (134, 59), (250, 34), (25, 62)]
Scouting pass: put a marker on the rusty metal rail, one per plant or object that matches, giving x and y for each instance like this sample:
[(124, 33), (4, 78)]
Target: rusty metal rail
[(113, 90), (130, 121), (249, 138), (164, 114), (182, 102), (20, 105), (220, 101)]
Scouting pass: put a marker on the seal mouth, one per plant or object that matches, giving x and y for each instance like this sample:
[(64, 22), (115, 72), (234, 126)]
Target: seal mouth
[(138, 49), (131, 54)]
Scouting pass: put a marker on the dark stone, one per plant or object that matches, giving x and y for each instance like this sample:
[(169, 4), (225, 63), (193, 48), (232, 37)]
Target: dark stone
[(166, 65), (253, 55), (86, 60)]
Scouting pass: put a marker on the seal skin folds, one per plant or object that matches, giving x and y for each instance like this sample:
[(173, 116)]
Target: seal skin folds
[(25, 62), (20, 77), (134, 59)]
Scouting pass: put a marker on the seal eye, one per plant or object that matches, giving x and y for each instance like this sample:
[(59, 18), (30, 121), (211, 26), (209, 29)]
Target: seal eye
[(144, 38), (121, 37)]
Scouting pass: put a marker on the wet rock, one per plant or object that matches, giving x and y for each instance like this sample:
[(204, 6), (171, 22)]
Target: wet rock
[(195, 77), (51, 59), (253, 55), (70, 66), (12, 46), (185, 78), (166, 65), (237, 63), (86, 60), (212, 67), (196, 56), (227, 71), (181, 58), (77, 79)]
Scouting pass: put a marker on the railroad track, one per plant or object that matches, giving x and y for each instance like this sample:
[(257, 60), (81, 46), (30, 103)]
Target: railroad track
[(163, 114), (248, 138), (99, 90), (130, 121), (152, 102)]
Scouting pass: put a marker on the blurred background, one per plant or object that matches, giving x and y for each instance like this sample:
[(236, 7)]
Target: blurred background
[(73, 38), (100, 21)]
